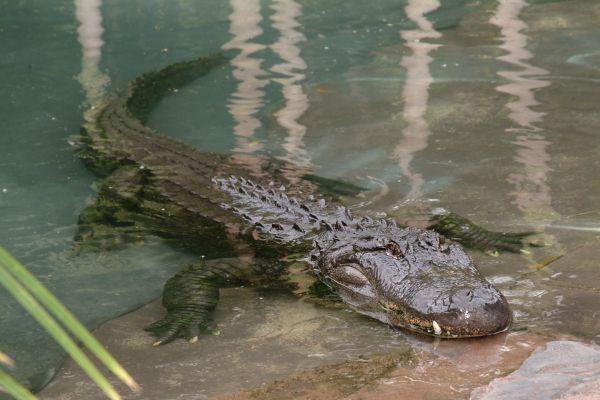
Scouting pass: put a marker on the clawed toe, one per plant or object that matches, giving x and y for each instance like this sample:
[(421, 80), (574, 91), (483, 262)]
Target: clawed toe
[(171, 327), (517, 242), (168, 335)]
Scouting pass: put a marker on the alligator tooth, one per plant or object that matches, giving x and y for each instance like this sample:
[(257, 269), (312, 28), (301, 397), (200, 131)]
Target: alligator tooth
[(436, 328)]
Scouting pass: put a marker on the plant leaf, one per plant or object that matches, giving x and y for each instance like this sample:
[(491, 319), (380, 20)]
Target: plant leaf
[(6, 360), (54, 329), (14, 388), (66, 317)]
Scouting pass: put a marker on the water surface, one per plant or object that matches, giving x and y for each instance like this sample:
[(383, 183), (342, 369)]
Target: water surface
[(489, 108)]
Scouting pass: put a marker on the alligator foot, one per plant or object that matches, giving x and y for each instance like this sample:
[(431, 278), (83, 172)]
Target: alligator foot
[(189, 297), (184, 324), (192, 294), (471, 235)]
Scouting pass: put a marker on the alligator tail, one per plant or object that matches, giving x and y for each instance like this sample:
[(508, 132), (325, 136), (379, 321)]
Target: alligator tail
[(121, 116), (148, 89)]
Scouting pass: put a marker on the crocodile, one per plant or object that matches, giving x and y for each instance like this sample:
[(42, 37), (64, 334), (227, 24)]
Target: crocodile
[(250, 227)]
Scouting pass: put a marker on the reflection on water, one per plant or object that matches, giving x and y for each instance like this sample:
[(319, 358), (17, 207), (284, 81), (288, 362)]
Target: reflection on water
[(532, 193), (416, 90), (286, 13), (248, 100), (89, 33), (245, 20)]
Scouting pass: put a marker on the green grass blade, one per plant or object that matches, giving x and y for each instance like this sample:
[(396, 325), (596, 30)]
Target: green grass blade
[(54, 329), (6, 360), (13, 388), (66, 317)]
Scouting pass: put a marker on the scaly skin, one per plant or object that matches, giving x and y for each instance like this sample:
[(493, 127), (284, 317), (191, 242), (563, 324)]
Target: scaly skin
[(406, 277)]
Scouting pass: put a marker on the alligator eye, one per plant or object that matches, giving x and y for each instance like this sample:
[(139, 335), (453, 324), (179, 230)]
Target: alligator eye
[(394, 249), (386, 305), (352, 276)]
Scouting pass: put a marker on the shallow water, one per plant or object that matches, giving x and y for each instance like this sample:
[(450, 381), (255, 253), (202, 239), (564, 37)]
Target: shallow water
[(487, 108)]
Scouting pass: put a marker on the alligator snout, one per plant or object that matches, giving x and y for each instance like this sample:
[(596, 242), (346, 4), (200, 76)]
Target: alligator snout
[(412, 279), (474, 312)]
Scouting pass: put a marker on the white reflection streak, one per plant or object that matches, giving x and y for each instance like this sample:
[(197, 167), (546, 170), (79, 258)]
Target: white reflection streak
[(89, 34), (416, 90), (296, 101), (532, 191), (248, 98)]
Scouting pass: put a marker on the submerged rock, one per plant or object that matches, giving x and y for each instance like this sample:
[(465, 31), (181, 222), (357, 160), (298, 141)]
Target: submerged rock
[(263, 337), (561, 370), (445, 370)]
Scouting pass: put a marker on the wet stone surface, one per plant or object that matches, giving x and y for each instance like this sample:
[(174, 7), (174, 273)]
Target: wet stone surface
[(562, 369), (312, 352), (263, 337)]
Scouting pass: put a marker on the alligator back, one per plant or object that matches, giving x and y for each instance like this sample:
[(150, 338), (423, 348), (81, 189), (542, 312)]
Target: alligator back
[(173, 177)]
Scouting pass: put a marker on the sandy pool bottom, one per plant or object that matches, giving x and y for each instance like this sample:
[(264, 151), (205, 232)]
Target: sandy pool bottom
[(274, 346)]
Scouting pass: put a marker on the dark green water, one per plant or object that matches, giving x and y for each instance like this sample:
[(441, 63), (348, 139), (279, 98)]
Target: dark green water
[(488, 108)]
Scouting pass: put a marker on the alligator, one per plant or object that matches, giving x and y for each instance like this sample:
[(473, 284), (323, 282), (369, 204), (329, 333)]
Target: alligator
[(249, 227)]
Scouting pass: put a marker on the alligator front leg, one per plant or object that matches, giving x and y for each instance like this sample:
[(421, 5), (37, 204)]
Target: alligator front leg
[(471, 235), (193, 293), (110, 222)]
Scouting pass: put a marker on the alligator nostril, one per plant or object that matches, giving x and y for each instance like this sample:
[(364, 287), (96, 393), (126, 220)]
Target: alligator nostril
[(475, 312), (394, 249)]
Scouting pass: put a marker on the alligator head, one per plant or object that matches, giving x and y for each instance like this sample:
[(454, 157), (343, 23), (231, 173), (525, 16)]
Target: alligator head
[(411, 279)]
